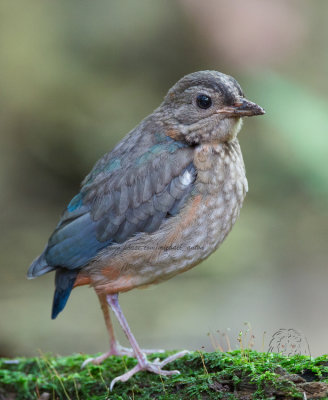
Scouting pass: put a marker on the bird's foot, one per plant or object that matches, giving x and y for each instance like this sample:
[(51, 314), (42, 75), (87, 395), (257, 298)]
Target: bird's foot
[(155, 367), (117, 350)]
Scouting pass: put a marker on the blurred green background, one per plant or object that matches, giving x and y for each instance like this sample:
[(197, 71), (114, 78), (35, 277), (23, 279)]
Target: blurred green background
[(77, 76)]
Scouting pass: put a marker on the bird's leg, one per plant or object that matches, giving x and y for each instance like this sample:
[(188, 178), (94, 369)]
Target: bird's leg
[(115, 349), (143, 364), (114, 346)]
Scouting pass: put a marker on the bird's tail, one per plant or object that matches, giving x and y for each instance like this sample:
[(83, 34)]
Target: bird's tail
[(64, 283), (39, 267)]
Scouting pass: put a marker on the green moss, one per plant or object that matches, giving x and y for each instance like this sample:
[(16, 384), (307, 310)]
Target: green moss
[(234, 375)]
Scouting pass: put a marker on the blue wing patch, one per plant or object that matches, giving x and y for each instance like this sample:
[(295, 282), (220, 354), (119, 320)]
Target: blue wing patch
[(74, 242)]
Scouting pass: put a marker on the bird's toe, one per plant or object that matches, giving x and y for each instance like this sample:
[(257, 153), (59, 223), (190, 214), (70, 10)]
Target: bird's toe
[(155, 367)]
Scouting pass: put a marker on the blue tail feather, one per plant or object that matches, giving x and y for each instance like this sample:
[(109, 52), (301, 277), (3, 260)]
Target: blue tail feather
[(64, 282)]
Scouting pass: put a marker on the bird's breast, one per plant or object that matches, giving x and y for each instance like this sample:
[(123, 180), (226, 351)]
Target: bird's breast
[(222, 183), (203, 224)]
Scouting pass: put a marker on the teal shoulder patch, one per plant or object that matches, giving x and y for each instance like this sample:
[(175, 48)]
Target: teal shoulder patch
[(75, 203)]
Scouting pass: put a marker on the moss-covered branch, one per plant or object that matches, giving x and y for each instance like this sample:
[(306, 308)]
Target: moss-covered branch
[(234, 375)]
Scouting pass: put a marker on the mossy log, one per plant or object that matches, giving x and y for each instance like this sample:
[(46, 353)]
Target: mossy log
[(242, 374)]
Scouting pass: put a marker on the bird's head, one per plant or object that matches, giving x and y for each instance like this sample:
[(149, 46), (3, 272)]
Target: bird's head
[(207, 106)]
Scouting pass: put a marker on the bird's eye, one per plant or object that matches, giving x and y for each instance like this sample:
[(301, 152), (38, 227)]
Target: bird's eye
[(204, 101)]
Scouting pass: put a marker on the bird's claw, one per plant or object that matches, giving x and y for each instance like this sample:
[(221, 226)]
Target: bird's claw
[(96, 360), (154, 367)]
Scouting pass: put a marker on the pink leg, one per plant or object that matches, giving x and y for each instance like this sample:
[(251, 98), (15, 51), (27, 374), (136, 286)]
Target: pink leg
[(143, 364), (115, 349)]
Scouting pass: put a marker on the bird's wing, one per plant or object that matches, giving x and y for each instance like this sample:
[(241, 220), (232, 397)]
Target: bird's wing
[(116, 203)]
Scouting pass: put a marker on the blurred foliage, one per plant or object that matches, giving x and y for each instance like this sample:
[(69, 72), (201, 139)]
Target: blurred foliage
[(77, 76), (298, 120)]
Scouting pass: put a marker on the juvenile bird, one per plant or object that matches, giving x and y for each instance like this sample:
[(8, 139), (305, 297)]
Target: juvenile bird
[(156, 205)]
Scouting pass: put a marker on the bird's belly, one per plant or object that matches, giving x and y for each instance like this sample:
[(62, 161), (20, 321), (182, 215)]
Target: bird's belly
[(210, 225), (186, 239)]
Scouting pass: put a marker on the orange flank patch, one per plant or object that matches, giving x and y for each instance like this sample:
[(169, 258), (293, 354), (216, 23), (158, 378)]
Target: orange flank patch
[(82, 280), (115, 278), (111, 273), (112, 280), (187, 218), (121, 284)]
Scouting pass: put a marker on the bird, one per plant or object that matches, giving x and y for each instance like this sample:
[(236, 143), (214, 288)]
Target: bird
[(155, 206)]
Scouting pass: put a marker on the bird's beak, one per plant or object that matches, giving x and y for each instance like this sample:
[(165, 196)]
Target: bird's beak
[(242, 108)]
